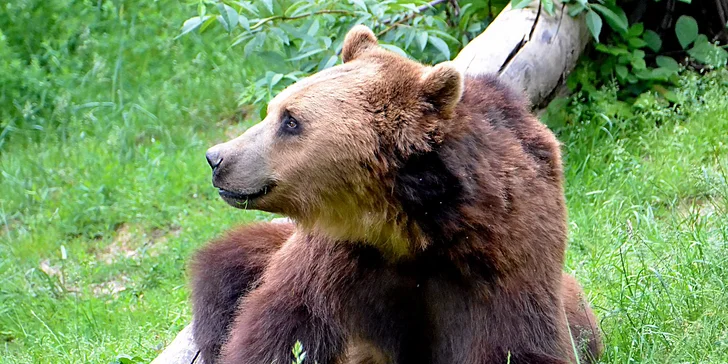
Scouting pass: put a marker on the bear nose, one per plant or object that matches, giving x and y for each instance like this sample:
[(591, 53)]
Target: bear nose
[(213, 158)]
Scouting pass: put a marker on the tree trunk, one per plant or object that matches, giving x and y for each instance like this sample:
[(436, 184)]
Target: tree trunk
[(526, 47)]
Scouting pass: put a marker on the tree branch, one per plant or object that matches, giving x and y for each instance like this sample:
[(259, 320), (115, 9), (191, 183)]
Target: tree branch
[(409, 16), (284, 18)]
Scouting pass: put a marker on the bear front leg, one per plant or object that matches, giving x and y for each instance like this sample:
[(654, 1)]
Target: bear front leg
[(271, 319), (299, 299), (222, 272)]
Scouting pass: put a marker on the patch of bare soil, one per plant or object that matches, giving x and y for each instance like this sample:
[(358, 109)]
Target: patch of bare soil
[(111, 287), (130, 243)]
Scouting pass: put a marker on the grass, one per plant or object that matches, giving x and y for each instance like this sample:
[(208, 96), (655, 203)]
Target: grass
[(648, 196), (104, 200)]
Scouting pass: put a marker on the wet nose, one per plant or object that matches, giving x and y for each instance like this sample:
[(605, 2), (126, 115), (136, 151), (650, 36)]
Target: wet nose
[(213, 158)]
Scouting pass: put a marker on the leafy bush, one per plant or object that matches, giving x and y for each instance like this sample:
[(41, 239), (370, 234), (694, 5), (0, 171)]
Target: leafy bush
[(297, 38), (626, 51)]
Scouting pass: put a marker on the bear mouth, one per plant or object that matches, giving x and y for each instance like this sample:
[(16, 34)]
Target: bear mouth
[(242, 200)]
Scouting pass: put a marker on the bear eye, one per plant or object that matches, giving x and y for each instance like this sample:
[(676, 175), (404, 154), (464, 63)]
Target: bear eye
[(290, 125)]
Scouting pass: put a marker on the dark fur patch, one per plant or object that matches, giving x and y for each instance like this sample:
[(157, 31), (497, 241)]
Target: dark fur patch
[(428, 192), (391, 309)]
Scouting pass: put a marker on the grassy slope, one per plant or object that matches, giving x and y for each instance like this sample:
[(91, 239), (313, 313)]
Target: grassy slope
[(120, 184), (122, 188), (648, 222)]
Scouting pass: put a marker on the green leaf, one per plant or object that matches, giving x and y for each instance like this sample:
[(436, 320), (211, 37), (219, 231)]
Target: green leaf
[(249, 7), (440, 45), (636, 30), (298, 354), (191, 24), (669, 95), (295, 8), (228, 17), (475, 28), (254, 43), (613, 50), (201, 9), (594, 23), (548, 5), (442, 35), (614, 16), (663, 73), (263, 111), (243, 21), (329, 63), (125, 359), (702, 38), (653, 40), (275, 79), (686, 29), (657, 74), (519, 4), (409, 37), (639, 64), (360, 3), (708, 53), (422, 40), (667, 62), (394, 49), (314, 28), (305, 55), (268, 5), (636, 43), (291, 30), (206, 24), (575, 9), (622, 71)]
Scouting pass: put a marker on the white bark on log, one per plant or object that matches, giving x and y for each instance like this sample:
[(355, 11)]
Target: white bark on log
[(182, 350), (534, 52)]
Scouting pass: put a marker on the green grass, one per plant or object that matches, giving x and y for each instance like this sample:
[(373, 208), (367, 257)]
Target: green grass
[(116, 177), (104, 199), (648, 223)]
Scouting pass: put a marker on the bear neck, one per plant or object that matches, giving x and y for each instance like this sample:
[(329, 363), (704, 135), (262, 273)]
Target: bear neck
[(375, 221)]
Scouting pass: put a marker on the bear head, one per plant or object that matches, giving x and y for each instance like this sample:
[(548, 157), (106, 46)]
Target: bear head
[(329, 148)]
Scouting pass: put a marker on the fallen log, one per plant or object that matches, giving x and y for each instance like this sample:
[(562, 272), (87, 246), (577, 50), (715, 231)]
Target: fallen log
[(182, 350), (530, 49)]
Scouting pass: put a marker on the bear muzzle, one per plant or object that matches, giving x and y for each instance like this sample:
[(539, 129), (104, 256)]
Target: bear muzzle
[(240, 170)]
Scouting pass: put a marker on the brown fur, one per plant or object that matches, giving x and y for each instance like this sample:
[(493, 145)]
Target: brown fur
[(359, 40), (431, 224), (225, 270), (582, 322)]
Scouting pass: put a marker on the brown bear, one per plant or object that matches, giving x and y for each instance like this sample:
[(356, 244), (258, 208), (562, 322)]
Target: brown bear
[(430, 225)]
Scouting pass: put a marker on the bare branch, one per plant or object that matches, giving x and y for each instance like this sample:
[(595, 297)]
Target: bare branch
[(284, 18), (411, 15)]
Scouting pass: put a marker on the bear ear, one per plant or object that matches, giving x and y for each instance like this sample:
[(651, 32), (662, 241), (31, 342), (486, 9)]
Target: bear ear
[(442, 87), (359, 40)]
